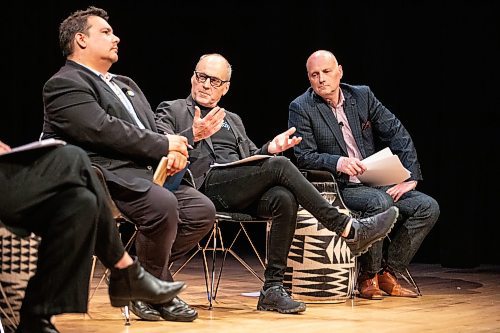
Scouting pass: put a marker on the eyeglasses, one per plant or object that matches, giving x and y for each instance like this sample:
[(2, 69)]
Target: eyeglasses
[(214, 81)]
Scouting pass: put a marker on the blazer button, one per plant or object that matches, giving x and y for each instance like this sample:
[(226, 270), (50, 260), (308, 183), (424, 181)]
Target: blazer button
[(149, 167)]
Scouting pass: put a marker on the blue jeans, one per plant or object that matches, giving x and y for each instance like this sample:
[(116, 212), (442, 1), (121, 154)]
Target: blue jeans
[(271, 188), (418, 214)]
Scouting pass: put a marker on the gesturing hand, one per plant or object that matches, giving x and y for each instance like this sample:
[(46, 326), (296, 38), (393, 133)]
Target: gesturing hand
[(351, 166), (4, 148), (208, 125), (177, 143), (283, 141)]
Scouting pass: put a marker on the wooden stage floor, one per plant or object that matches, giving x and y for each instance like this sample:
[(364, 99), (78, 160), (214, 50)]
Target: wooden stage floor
[(454, 300)]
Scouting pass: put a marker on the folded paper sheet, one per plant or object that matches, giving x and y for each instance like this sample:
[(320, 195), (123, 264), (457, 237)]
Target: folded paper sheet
[(383, 168), (242, 161), (36, 145)]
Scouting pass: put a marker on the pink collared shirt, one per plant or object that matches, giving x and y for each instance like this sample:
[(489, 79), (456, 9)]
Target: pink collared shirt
[(352, 147)]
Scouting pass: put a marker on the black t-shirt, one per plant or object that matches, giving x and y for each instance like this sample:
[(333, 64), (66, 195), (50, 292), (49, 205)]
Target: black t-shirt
[(224, 141)]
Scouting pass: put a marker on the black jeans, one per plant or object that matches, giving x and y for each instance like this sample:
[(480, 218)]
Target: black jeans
[(272, 188)]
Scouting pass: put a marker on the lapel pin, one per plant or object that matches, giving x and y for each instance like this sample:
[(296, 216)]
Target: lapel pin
[(130, 93)]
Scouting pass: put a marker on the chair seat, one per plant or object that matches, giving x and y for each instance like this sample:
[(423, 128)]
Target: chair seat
[(238, 217)]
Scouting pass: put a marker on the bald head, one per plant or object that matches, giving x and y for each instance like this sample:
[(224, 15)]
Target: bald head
[(215, 60), (322, 56), (324, 74), (214, 68)]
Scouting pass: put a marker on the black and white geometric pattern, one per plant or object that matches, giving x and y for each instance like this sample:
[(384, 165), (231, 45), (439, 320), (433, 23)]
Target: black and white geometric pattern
[(18, 257), (320, 265)]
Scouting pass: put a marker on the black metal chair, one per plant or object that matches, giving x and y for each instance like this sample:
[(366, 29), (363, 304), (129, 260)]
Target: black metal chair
[(217, 242)]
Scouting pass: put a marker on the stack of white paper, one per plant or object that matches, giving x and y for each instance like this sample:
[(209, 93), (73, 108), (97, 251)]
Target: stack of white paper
[(36, 145), (242, 161), (383, 168)]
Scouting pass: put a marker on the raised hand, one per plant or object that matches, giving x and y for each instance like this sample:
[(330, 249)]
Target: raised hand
[(4, 148), (208, 125), (283, 141)]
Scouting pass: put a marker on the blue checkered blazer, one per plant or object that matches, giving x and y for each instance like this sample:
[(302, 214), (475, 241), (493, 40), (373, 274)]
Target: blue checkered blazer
[(373, 125)]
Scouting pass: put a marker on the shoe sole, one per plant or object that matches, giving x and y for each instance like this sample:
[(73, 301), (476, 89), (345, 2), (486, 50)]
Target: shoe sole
[(286, 311), (378, 239), (181, 319), (121, 302), (375, 298)]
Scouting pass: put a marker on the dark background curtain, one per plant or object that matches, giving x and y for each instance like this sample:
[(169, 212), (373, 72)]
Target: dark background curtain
[(433, 63)]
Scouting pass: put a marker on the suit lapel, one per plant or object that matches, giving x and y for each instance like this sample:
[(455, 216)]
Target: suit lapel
[(146, 119), (327, 114)]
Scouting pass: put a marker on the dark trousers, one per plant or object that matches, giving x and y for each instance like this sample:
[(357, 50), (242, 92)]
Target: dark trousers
[(273, 187), (418, 214), (54, 193), (169, 223)]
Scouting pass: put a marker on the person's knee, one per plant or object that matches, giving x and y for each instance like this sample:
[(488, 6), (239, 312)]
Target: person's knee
[(429, 208), (76, 206), (71, 153), (204, 213), (161, 212), (279, 163), (379, 202), (283, 201)]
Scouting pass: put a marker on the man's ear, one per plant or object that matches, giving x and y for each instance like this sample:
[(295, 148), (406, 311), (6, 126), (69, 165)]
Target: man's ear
[(341, 71), (226, 88), (81, 40)]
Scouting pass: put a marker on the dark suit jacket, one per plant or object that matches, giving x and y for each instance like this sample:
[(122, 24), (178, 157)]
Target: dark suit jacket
[(81, 109), (177, 117), (373, 127)]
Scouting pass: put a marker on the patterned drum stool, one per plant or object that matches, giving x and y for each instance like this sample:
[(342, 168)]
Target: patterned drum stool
[(320, 267), (18, 258)]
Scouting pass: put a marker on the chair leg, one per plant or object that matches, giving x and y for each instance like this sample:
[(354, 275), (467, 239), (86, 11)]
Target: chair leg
[(187, 261), (239, 259), (126, 314), (353, 287), (204, 250), (99, 283), (409, 279), (92, 270), (212, 273), (13, 319), (1, 326), (253, 246)]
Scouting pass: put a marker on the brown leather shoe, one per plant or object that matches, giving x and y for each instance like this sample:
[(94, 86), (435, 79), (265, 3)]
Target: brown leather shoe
[(368, 287), (389, 284)]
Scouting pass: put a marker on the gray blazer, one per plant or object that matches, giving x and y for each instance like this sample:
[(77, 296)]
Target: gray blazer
[(373, 127), (177, 117), (81, 109)]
